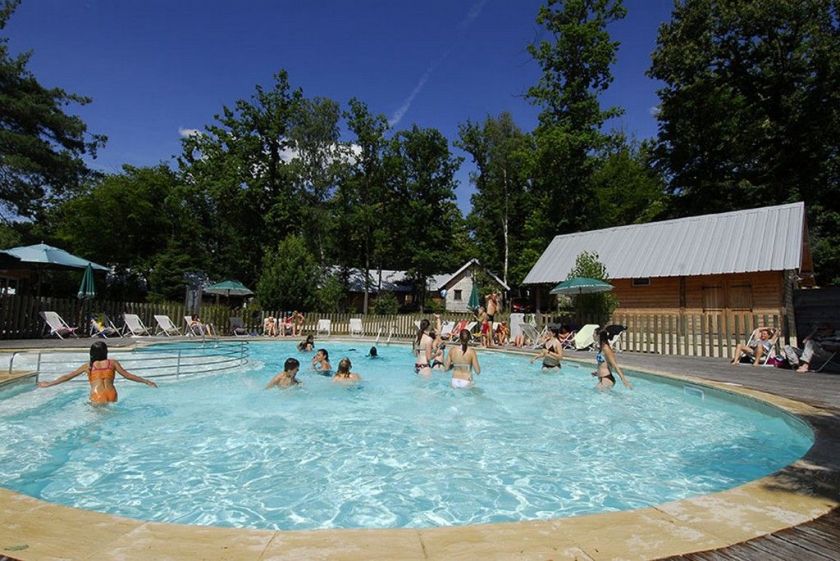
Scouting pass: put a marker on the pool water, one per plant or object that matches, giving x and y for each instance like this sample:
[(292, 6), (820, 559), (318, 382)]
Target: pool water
[(396, 450)]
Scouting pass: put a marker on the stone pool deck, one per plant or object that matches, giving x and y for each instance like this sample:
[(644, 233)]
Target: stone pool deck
[(31, 529)]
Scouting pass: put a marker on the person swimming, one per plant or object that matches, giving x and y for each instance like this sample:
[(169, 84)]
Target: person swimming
[(321, 362), (552, 352), (101, 373), (605, 363), (373, 353), (307, 344), (343, 373), (463, 361), (288, 377)]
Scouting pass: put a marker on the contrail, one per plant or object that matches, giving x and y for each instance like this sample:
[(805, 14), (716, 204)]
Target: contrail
[(473, 13)]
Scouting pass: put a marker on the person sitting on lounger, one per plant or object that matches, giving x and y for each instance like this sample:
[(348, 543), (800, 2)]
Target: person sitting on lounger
[(820, 347), (202, 328), (502, 333), (761, 342), (460, 326)]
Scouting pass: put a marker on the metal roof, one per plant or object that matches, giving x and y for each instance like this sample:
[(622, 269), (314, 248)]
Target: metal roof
[(759, 239)]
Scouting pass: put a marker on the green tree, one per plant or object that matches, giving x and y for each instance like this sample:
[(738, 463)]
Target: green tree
[(425, 187), (242, 187), (597, 307), (331, 294), (41, 146), (501, 204), (289, 277), (749, 111), (629, 190), (575, 64)]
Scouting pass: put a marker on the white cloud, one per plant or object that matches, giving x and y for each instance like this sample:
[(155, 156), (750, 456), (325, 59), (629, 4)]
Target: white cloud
[(185, 133)]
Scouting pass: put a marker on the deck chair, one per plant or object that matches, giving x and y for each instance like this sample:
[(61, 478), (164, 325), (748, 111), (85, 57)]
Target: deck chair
[(531, 334), (104, 329), (237, 326), (324, 326), (166, 326), (755, 340), (356, 327), (567, 341), (134, 326), (196, 330), (446, 329), (57, 325), (585, 338), (616, 333)]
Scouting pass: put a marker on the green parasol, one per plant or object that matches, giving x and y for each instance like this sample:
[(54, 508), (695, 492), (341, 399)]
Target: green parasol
[(474, 302), (581, 285), (86, 289)]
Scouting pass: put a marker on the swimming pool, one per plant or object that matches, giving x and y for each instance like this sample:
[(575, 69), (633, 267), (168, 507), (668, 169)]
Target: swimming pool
[(395, 451)]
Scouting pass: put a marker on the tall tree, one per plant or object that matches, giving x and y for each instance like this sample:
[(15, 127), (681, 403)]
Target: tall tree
[(41, 146), (500, 206), (750, 111), (367, 188), (239, 173), (629, 190), (424, 179), (575, 64)]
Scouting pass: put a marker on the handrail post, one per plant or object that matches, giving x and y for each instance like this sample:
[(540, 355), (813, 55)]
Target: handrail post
[(178, 366), (38, 368), (12, 362)]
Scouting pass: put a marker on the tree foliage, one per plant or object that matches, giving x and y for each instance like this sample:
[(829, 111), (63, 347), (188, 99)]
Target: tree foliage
[(289, 277), (41, 146), (750, 111), (594, 307)]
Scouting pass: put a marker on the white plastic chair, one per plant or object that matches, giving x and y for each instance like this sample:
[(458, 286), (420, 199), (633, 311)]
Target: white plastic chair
[(57, 325), (166, 326), (585, 338), (356, 327), (135, 326), (324, 327)]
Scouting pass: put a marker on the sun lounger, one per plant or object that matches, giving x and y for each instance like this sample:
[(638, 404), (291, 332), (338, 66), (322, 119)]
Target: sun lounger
[(166, 326), (237, 326), (57, 325), (104, 329), (324, 327), (585, 338), (356, 327), (530, 334), (134, 326)]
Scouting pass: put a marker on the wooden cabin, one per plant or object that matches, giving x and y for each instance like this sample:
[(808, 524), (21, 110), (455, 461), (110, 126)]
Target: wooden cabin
[(747, 261)]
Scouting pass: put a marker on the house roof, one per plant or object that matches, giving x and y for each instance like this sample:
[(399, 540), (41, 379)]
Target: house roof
[(444, 280), (398, 281), (760, 239)]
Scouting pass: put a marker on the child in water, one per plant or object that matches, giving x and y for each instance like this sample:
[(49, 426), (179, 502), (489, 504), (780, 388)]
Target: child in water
[(101, 373), (343, 373), (287, 378)]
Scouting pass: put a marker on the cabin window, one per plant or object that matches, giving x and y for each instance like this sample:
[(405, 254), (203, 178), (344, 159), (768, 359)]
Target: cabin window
[(457, 296), (644, 281), (712, 298), (740, 297)]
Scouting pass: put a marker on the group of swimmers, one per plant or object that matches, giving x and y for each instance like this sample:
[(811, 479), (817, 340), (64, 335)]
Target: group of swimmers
[(429, 350)]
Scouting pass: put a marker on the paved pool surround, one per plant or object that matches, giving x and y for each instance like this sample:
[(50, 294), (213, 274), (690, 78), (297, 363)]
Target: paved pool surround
[(34, 530)]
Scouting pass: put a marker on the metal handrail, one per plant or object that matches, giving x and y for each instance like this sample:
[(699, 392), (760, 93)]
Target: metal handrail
[(199, 358)]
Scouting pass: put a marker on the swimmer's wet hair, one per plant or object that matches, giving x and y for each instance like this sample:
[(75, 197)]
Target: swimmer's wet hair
[(98, 351), (373, 351), (291, 364)]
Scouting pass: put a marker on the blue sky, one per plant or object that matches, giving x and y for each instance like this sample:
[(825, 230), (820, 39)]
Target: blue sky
[(156, 68)]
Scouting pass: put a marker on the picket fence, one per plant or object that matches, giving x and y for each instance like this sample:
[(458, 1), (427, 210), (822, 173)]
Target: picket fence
[(709, 334)]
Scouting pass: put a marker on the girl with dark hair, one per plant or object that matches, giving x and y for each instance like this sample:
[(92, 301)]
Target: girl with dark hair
[(321, 362), (552, 352), (101, 373), (605, 361), (307, 345), (463, 361), (343, 373), (423, 349)]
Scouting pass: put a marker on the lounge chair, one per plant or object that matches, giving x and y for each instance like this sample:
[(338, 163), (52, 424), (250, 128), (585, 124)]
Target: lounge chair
[(324, 327), (446, 329), (197, 329), (567, 341), (755, 340), (531, 334), (166, 326), (237, 326), (356, 327), (616, 333), (585, 338), (134, 326), (57, 325), (104, 329)]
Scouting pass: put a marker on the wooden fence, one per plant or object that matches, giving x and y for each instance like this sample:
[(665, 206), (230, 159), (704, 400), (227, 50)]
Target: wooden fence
[(701, 334)]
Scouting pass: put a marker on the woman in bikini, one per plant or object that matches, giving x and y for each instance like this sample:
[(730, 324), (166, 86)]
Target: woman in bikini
[(343, 373), (463, 361), (552, 352), (606, 363), (101, 373), (423, 350)]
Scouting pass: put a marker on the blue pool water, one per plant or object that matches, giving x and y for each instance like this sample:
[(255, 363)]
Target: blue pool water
[(395, 451)]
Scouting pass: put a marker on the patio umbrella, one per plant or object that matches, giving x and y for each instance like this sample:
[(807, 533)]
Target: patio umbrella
[(86, 289), (474, 302), (45, 256), (581, 285), (228, 288)]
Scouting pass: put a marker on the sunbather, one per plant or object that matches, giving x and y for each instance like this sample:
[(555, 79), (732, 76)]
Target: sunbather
[(821, 345), (761, 342)]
